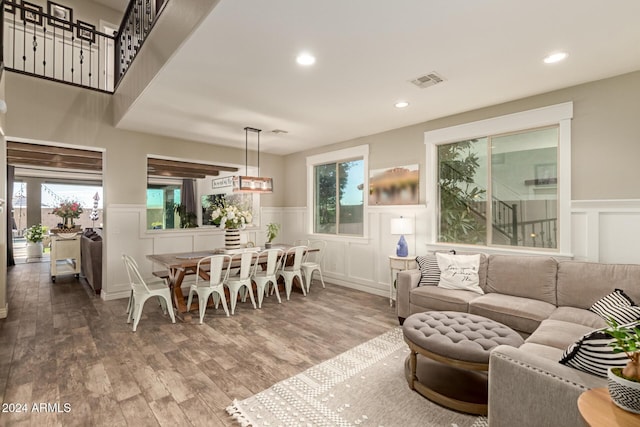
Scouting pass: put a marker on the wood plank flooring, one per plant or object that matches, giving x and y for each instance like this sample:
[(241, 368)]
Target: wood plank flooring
[(62, 345)]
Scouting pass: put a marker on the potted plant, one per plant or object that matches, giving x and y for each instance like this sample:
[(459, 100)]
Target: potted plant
[(624, 383), (272, 232), (34, 236)]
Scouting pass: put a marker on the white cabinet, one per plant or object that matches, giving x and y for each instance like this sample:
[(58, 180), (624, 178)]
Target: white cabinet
[(65, 255)]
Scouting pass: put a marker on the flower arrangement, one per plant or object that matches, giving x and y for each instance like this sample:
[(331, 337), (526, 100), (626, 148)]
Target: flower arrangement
[(68, 209), (231, 217), (35, 233)]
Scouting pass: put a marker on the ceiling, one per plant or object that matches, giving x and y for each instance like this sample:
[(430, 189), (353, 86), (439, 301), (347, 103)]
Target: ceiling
[(238, 69)]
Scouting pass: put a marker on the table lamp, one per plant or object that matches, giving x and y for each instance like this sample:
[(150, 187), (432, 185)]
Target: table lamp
[(402, 226)]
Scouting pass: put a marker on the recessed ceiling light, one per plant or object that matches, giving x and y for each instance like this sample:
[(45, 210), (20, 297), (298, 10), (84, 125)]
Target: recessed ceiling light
[(555, 57), (306, 59), (402, 104)]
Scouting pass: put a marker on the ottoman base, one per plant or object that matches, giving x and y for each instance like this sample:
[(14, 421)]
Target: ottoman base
[(454, 388)]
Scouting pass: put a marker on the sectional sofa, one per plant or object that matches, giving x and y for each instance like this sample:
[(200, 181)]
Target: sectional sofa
[(547, 302)]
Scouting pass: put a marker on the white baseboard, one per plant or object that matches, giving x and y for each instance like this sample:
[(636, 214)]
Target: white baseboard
[(4, 312), (358, 287)]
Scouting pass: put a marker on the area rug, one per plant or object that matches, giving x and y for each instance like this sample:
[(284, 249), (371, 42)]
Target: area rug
[(364, 386)]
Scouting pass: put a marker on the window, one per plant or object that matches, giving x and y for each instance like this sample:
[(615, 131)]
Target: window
[(503, 182), (161, 202), (500, 189), (337, 183)]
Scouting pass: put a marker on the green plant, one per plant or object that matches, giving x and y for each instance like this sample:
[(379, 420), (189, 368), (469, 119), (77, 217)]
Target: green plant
[(272, 231), (627, 341), (188, 219), (35, 233)]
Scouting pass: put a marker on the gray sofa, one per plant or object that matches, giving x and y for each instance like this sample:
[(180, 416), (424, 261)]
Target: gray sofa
[(547, 302), (91, 259)]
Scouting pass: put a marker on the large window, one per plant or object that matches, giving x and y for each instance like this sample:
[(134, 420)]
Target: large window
[(337, 191), (500, 189), (503, 182)]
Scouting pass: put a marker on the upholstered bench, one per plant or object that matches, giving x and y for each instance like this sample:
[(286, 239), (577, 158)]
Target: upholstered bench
[(455, 347)]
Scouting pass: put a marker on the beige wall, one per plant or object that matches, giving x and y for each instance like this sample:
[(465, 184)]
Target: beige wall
[(605, 140), (41, 110)]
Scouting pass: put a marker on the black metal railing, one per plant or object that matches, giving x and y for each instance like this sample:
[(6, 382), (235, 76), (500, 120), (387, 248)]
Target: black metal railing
[(136, 25), (50, 45)]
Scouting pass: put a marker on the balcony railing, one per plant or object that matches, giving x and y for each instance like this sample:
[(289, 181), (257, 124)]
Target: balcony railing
[(49, 44)]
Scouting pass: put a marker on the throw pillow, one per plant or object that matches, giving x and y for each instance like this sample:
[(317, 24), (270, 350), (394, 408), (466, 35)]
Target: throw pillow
[(593, 353), (618, 306), (459, 272), (429, 270)]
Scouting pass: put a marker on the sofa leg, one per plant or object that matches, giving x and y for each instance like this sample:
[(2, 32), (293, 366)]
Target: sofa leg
[(401, 320), (98, 292)]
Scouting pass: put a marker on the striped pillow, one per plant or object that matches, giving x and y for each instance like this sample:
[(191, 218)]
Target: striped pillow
[(430, 272), (618, 306), (593, 353)]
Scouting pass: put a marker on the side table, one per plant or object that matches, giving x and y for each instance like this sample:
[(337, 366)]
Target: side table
[(597, 409), (397, 264)]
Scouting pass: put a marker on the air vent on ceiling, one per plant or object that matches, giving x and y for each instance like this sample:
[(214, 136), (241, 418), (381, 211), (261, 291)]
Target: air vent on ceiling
[(427, 80)]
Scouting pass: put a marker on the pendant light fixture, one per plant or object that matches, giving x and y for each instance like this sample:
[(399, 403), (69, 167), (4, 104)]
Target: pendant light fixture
[(251, 184)]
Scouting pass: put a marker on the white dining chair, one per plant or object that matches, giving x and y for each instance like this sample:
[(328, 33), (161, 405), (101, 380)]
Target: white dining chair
[(313, 261), (301, 242), (142, 291), (217, 267), (293, 256), (241, 281), (266, 276), (148, 280)]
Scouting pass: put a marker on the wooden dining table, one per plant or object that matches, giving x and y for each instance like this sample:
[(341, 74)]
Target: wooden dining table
[(179, 265)]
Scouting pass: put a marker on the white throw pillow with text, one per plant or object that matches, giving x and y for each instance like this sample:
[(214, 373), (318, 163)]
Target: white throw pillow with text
[(459, 272)]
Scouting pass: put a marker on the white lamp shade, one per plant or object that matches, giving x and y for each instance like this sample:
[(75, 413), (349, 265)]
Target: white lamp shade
[(402, 226)]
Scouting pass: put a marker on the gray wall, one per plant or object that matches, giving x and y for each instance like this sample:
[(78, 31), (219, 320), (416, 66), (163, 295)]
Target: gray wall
[(605, 140)]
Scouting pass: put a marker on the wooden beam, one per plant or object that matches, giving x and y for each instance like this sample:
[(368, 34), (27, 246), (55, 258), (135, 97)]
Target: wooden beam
[(189, 165), (52, 150)]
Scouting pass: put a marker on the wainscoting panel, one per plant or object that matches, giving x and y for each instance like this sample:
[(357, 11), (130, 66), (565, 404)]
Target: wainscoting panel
[(620, 237)]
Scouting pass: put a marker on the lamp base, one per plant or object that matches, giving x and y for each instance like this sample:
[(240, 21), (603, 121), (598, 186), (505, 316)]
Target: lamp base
[(402, 249)]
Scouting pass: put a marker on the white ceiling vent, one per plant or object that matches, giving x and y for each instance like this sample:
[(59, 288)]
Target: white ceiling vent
[(427, 80)]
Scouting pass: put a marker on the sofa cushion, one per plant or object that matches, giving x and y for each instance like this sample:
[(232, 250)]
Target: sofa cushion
[(580, 284), (459, 272), (440, 299), (523, 276), (617, 306), (429, 270), (579, 316), (593, 354), (521, 314), (558, 334)]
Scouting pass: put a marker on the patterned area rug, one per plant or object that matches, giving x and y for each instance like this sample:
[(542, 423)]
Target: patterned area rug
[(364, 386)]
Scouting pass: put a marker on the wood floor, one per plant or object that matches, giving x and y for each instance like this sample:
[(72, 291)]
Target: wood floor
[(62, 345)]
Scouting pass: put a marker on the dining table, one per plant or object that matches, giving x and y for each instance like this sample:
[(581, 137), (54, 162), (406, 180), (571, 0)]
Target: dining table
[(181, 264)]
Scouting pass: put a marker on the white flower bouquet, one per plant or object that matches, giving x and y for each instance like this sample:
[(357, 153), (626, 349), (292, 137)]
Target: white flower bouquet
[(230, 217)]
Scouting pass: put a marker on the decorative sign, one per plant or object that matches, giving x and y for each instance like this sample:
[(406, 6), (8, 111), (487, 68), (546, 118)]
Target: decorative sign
[(218, 183)]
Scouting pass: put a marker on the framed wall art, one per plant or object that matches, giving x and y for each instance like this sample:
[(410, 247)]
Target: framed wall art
[(31, 13), (395, 186)]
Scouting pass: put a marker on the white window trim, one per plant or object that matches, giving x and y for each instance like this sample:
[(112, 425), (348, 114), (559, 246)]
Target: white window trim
[(360, 151), (559, 114)]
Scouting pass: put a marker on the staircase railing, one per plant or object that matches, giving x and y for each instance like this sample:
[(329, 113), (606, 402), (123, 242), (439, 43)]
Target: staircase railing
[(505, 219), (49, 44), (139, 19)]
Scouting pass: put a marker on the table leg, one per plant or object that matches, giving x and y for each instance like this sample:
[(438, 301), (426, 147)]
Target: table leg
[(176, 276)]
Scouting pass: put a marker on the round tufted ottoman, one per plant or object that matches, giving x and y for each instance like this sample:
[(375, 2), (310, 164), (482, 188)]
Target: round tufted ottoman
[(454, 349)]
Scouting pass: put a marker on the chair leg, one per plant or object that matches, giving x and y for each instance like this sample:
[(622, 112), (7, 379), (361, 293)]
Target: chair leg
[(130, 304), (277, 292), (288, 284), (299, 276), (250, 291), (190, 300), (137, 313), (167, 299), (223, 299), (130, 309), (321, 278), (260, 293), (233, 293), (203, 298)]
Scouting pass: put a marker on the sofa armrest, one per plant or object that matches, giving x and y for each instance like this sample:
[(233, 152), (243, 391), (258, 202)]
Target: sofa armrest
[(406, 281), (528, 390)]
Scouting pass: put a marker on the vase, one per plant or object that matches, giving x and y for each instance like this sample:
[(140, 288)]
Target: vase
[(34, 250), (624, 393), (232, 238), (68, 223)]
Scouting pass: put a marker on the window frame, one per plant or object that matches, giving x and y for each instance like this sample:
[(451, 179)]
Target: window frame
[(338, 156), (555, 115)]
